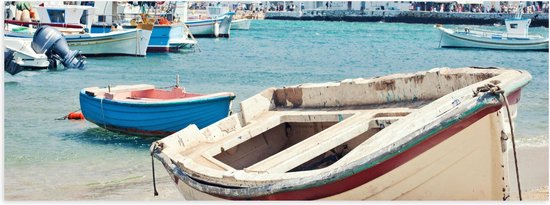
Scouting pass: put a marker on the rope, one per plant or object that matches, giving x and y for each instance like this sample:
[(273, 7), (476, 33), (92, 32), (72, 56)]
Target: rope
[(156, 147), (513, 143), (138, 42), (103, 114), (156, 193), (440, 38), (189, 34), (66, 116), (495, 89)]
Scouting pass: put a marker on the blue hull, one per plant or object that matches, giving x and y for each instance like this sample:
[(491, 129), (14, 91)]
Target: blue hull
[(164, 38), (154, 118)]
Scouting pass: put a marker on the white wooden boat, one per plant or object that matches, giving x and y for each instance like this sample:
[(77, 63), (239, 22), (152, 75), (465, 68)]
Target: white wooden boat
[(117, 42), (214, 27), (241, 24), (515, 38), (420, 136), (75, 22)]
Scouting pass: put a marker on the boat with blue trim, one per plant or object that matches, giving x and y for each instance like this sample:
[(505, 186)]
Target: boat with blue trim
[(516, 37), (147, 111), (442, 134)]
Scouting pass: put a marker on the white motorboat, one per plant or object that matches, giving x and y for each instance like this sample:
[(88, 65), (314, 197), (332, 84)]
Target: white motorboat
[(516, 37), (24, 55), (46, 49)]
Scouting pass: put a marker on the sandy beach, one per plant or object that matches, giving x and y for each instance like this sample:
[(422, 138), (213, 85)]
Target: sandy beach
[(533, 169)]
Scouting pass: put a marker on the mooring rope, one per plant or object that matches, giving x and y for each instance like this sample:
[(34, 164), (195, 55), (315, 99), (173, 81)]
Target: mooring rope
[(155, 148), (103, 113), (66, 116), (495, 89), (513, 143)]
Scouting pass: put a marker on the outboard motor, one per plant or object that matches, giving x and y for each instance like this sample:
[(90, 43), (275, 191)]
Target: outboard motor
[(49, 40), (9, 65)]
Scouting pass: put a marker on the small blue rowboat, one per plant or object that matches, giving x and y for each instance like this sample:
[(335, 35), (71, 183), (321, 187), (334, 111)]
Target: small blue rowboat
[(143, 110)]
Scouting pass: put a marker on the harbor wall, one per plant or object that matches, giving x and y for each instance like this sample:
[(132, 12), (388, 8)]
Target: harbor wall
[(405, 17)]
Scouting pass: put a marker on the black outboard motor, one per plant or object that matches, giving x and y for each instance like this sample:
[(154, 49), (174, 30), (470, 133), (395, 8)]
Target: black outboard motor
[(9, 65), (49, 40)]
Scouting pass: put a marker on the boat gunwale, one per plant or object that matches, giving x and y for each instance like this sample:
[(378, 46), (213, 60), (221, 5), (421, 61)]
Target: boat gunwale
[(177, 101)]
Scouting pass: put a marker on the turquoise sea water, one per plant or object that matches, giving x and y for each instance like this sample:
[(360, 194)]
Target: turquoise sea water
[(47, 159)]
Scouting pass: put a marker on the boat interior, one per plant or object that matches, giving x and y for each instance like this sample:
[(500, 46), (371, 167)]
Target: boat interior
[(140, 92), (315, 126)]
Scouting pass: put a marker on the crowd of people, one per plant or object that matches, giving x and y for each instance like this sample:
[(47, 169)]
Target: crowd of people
[(503, 7)]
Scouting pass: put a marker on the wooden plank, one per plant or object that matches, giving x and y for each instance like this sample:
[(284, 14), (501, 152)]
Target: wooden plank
[(314, 145)]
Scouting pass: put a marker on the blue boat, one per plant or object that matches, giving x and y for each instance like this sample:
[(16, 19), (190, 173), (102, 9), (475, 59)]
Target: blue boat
[(146, 111)]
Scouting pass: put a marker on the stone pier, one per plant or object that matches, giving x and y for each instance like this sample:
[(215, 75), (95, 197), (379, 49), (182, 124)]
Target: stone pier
[(405, 17)]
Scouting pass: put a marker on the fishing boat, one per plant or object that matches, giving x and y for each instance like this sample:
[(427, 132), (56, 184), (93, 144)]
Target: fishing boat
[(147, 111), (217, 24), (168, 35), (118, 42), (164, 38), (70, 21), (516, 37), (441, 134), (241, 24), (169, 38), (215, 27)]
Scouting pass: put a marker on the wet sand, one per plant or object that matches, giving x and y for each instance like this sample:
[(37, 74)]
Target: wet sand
[(533, 169)]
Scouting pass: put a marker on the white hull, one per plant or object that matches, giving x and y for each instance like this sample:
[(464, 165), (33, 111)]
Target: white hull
[(241, 24), (219, 27), (453, 170), (450, 38), (24, 55), (127, 42)]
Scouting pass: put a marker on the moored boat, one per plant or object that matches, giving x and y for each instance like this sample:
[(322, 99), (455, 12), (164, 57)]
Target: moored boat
[(46, 49), (241, 24), (24, 55), (214, 27), (118, 42), (516, 37), (75, 22), (442, 134), (144, 110), (217, 24), (164, 38)]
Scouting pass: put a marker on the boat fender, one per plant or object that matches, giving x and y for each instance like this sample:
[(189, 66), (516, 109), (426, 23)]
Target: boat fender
[(75, 116)]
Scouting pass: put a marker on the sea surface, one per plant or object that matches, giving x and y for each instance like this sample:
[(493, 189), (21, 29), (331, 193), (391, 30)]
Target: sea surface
[(48, 159)]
